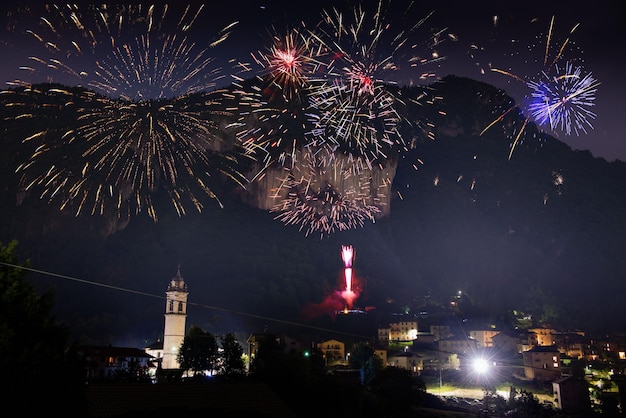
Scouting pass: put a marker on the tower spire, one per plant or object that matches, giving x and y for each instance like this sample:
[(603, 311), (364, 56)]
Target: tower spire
[(175, 318)]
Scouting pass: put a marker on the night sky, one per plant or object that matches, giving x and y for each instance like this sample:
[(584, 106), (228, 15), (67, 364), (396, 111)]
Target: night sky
[(470, 40)]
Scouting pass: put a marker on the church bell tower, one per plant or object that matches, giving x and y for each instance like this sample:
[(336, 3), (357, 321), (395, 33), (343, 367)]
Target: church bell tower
[(175, 318)]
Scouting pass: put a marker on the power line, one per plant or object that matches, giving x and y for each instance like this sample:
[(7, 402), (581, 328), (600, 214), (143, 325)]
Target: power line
[(137, 292), (62, 276), (266, 318), (286, 322)]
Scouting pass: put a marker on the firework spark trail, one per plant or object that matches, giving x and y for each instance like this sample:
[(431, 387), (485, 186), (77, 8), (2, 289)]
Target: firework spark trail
[(325, 210), (287, 65), (351, 124), (558, 100), (123, 52), (352, 113), (354, 105), (272, 108), (149, 123), (269, 96), (323, 199)]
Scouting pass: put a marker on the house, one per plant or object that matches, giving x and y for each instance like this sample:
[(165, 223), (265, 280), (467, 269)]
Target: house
[(381, 353), (403, 331), (542, 336), (398, 331), (441, 331), (571, 395), (484, 337), (155, 350), (572, 344), (424, 338), (458, 345), (117, 363), (542, 363), (334, 351), (511, 342), (406, 360), (609, 347), (282, 343)]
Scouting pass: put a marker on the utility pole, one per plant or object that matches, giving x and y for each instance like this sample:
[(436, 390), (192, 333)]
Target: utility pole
[(440, 379)]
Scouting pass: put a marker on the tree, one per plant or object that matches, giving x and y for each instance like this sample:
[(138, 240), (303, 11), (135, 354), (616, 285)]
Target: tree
[(525, 404), (398, 389), (37, 368), (232, 357), (362, 356), (268, 355), (495, 403), (198, 352), (274, 366)]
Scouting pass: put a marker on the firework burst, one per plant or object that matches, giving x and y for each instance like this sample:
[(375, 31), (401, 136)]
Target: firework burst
[(563, 101), (133, 52), (326, 199), (120, 154), (286, 67), (269, 95), (325, 112), (354, 106), (144, 120), (560, 101)]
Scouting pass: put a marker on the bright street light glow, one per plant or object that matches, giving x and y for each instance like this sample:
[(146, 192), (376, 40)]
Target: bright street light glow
[(481, 365)]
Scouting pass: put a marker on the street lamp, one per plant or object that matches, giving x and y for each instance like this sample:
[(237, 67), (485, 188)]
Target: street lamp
[(480, 365)]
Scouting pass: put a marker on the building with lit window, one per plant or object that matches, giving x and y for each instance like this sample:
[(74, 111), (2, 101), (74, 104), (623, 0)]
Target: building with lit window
[(398, 331), (512, 342), (333, 351), (458, 345), (116, 363), (484, 337), (542, 336), (572, 344), (441, 331), (542, 363), (406, 360)]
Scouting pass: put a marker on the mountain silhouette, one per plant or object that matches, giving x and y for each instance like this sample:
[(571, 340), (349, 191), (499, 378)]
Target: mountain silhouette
[(520, 223)]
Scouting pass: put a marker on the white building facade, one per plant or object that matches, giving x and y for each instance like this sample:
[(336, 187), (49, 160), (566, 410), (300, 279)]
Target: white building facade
[(175, 321)]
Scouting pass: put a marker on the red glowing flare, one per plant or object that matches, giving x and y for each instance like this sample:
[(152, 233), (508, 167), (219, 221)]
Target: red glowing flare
[(346, 255), (348, 276)]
